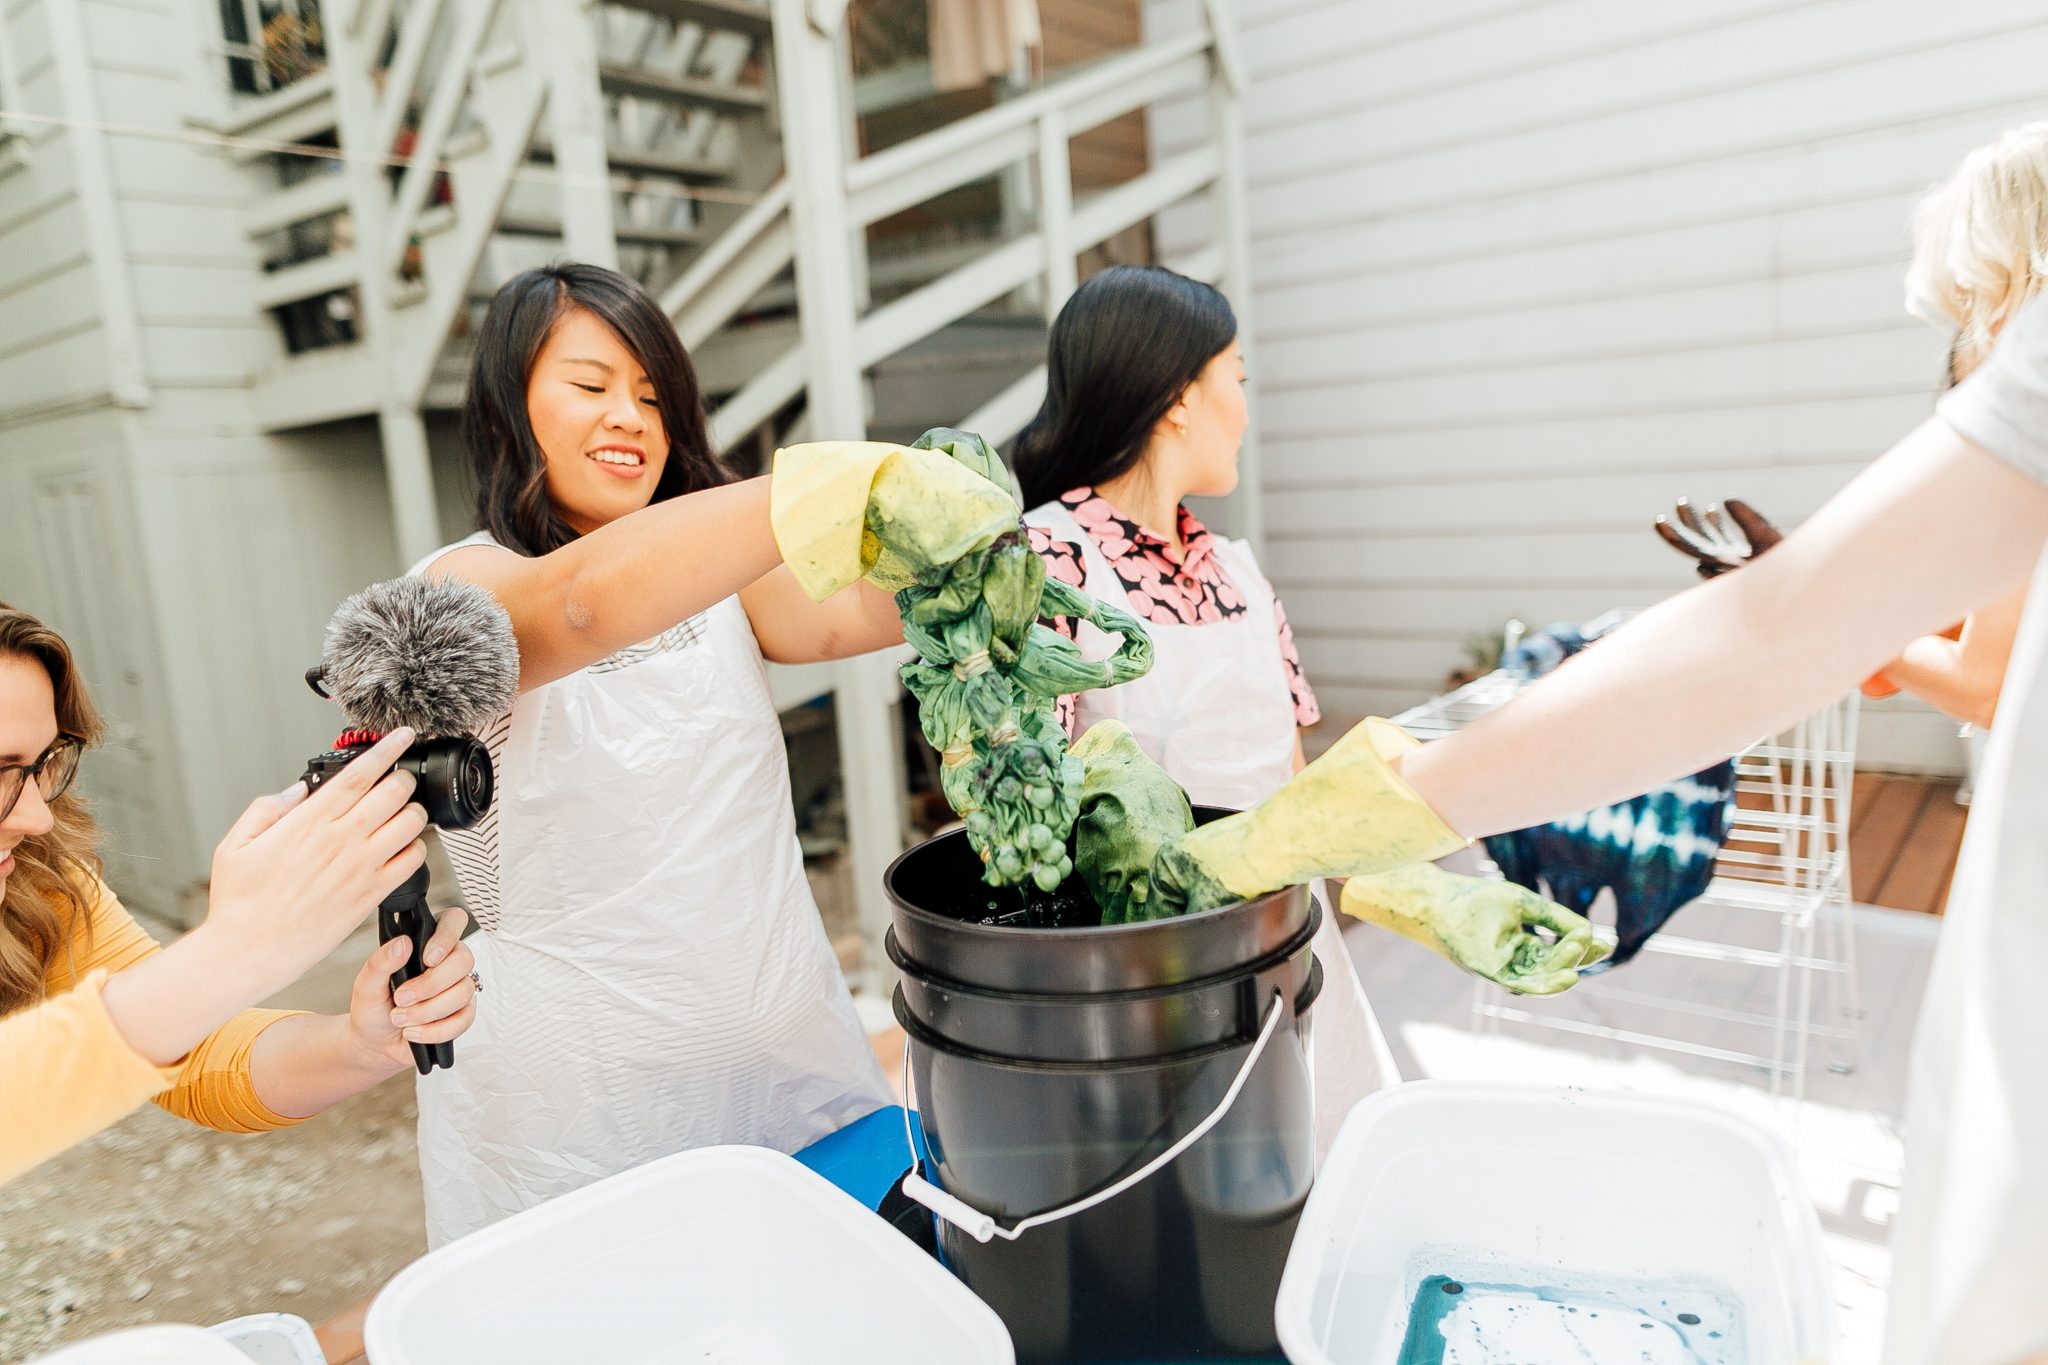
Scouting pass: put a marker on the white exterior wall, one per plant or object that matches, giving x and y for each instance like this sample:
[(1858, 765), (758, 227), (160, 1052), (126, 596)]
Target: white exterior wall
[(191, 559), (1526, 272)]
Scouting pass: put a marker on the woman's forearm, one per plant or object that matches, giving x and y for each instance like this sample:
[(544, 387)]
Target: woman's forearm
[(627, 581), (1930, 532), (1932, 669), (792, 629), (1964, 676), (302, 1064), (170, 1001)]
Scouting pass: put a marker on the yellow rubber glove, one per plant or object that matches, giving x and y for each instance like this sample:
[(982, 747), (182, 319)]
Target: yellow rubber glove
[(1485, 926), (847, 510), (1345, 814)]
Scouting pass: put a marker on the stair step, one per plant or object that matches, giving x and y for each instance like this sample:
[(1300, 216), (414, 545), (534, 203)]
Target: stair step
[(434, 220), (311, 198), (729, 358), (300, 124), (699, 170), (319, 386), (696, 90), (252, 112), (743, 16), (503, 57), (522, 226), (307, 279), (465, 143)]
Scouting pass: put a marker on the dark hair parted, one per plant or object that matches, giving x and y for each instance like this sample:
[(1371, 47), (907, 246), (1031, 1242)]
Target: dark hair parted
[(1124, 349), (512, 500)]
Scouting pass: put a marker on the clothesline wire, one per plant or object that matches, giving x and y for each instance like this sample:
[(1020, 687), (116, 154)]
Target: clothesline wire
[(199, 137)]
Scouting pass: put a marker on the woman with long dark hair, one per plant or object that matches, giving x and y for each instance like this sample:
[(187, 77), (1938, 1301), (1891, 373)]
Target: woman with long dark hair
[(659, 975), (1145, 407)]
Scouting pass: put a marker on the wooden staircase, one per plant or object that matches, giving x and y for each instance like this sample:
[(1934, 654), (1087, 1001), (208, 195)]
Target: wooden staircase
[(451, 143)]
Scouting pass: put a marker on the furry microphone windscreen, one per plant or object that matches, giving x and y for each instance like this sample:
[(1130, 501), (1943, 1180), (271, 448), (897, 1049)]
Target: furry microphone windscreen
[(436, 654)]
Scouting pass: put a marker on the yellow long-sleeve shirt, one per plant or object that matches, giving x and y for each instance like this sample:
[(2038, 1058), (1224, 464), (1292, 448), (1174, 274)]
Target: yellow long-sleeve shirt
[(66, 1072)]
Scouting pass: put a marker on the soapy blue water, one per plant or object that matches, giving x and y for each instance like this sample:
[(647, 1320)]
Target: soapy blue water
[(1605, 1321)]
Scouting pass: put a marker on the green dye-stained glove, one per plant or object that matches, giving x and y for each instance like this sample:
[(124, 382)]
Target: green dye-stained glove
[(969, 449), (1485, 926), (1346, 814), (898, 517), (1130, 811)]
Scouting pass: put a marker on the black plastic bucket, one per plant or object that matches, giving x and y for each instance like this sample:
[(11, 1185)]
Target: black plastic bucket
[(1048, 1064)]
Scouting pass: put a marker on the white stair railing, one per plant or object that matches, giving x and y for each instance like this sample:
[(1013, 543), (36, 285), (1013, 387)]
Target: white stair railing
[(832, 198), (1031, 131)]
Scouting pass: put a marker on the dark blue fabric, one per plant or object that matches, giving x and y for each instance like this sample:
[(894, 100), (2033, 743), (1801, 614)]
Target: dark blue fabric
[(1655, 852)]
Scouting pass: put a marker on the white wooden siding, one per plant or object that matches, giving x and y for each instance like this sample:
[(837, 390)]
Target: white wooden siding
[(235, 545), (53, 354), (1526, 272)]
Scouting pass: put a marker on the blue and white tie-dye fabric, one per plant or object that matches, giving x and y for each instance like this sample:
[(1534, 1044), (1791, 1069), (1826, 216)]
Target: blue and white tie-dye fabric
[(1656, 852)]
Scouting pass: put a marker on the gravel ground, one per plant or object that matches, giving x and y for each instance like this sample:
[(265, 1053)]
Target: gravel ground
[(158, 1220)]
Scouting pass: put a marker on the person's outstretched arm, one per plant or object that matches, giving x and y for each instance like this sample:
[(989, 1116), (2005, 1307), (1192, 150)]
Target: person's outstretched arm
[(792, 629), (1933, 531), (624, 582)]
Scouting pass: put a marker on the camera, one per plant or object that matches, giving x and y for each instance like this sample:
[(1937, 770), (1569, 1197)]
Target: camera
[(454, 775), (455, 783)]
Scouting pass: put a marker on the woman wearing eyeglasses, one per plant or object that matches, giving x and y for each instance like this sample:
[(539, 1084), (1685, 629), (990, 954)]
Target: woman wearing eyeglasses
[(95, 1018)]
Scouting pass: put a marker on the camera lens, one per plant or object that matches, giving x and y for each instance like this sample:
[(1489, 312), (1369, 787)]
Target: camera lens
[(454, 780), (474, 781)]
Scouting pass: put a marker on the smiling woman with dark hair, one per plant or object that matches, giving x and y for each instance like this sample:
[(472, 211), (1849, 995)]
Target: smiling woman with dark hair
[(660, 978), (527, 504)]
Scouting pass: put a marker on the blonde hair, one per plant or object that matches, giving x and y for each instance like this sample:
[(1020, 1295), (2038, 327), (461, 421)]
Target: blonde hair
[(1980, 242), (42, 908)]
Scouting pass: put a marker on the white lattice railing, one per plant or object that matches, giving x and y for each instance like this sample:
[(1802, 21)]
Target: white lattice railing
[(1032, 131)]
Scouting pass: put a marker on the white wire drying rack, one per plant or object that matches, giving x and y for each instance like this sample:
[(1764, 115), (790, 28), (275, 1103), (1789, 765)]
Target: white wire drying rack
[(1786, 859)]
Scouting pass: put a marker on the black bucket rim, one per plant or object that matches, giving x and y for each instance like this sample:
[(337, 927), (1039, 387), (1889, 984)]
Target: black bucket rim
[(910, 966), (922, 1033), (999, 932)]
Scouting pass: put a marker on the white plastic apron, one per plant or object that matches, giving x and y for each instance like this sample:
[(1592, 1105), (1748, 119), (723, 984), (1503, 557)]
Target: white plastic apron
[(1970, 1244), (657, 977), (1217, 714)]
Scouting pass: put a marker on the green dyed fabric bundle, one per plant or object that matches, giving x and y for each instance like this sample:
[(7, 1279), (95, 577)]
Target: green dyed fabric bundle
[(986, 682)]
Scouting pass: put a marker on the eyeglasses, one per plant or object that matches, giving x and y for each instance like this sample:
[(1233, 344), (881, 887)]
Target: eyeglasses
[(53, 773)]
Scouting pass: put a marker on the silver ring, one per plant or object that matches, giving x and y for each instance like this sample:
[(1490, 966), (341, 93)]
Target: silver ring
[(477, 982)]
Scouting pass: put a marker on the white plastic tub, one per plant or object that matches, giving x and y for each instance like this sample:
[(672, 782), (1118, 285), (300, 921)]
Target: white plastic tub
[(1545, 1187), (724, 1255), (273, 1339), (164, 1345)]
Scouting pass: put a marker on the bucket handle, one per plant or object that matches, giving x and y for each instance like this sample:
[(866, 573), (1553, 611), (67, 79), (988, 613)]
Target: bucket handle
[(983, 1226)]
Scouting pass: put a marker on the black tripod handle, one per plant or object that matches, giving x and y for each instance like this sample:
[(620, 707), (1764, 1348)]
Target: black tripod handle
[(404, 914)]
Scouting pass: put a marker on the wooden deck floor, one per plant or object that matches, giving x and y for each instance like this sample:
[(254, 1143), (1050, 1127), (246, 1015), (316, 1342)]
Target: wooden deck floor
[(1904, 833)]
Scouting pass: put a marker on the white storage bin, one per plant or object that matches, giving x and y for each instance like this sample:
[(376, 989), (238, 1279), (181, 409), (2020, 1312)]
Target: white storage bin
[(273, 1339), (165, 1345), (724, 1254), (1616, 1198)]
